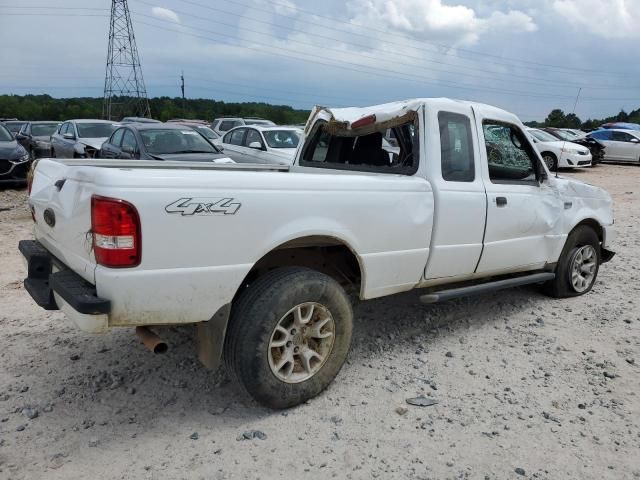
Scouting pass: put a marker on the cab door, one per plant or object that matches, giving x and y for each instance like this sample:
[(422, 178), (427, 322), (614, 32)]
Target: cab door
[(523, 212), (459, 193)]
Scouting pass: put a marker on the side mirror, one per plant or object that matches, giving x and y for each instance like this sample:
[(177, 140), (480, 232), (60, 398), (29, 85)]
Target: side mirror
[(635, 140), (255, 145), (69, 136)]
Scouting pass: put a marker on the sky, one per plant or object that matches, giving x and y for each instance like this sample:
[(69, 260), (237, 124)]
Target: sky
[(527, 56)]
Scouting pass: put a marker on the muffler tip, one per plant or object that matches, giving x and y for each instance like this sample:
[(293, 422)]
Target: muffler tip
[(152, 341)]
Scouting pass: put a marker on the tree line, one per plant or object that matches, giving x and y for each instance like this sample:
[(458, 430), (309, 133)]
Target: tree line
[(45, 107), (557, 118)]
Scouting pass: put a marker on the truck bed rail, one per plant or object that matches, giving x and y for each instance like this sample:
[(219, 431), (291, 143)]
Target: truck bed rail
[(169, 165)]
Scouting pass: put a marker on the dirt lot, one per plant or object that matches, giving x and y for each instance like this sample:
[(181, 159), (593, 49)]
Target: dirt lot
[(528, 387)]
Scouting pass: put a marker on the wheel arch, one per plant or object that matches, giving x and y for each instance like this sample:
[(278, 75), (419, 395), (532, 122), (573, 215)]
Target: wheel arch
[(593, 224), (328, 254)]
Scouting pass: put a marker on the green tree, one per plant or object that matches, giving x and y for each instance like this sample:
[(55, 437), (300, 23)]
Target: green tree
[(556, 118)]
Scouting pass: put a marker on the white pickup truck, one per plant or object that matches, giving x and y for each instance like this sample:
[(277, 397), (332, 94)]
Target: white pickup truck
[(261, 258)]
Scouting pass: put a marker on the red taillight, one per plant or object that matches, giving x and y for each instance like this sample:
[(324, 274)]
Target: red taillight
[(115, 224), (364, 121)]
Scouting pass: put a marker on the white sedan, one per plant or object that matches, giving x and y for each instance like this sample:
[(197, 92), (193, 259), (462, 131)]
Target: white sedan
[(258, 144), (619, 145), (558, 153)]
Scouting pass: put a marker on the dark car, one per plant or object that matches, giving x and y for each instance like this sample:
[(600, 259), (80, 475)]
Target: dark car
[(14, 159), (139, 120), (14, 126), (35, 137), (162, 141), (595, 147)]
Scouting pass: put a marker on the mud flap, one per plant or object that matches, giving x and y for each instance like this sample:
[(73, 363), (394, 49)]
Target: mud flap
[(210, 338)]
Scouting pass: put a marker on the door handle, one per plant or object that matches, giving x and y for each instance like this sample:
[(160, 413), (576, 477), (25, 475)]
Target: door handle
[(501, 201)]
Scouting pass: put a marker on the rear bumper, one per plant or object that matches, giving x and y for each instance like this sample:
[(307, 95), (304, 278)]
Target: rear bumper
[(53, 286)]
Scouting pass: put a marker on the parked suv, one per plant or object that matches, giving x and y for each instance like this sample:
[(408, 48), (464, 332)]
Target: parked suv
[(222, 125), (80, 138)]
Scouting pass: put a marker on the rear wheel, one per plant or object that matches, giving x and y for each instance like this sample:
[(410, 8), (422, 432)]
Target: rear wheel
[(288, 336), (578, 266), (551, 160)]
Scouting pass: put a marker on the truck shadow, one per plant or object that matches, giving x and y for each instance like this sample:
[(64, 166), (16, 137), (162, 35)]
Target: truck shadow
[(113, 380)]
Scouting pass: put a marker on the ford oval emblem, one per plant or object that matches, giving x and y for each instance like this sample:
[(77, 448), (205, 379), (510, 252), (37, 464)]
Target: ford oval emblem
[(49, 217)]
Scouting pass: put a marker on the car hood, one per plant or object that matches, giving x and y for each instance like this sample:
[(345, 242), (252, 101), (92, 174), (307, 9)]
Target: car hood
[(93, 142), (11, 150), (196, 157), (562, 144)]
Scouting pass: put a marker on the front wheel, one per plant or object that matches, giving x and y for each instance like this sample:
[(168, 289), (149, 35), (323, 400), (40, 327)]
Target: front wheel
[(289, 335), (551, 161), (578, 266)]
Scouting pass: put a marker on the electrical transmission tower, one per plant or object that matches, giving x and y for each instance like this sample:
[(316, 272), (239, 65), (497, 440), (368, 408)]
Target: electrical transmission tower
[(124, 90)]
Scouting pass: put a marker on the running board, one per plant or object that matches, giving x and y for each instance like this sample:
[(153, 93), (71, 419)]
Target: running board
[(486, 287)]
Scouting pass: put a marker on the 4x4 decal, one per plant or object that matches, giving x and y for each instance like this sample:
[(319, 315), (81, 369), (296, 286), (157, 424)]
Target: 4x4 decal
[(204, 206)]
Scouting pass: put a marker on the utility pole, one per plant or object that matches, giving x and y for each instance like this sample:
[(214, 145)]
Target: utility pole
[(184, 111), (124, 91)]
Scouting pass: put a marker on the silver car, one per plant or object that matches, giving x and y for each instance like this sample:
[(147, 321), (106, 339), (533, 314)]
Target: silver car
[(619, 145), (258, 144), (80, 138)]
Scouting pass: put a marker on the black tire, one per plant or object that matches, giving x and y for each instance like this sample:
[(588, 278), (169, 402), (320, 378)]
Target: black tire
[(254, 317), (561, 286), (551, 160), (53, 153)]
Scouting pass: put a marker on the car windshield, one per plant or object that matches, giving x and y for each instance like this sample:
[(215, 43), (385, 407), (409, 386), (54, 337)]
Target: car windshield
[(281, 138), (43, 129), (168, 141), (564, 135), (543, 136), (207, 132), (95, 130), (14, 127), (5, 136)]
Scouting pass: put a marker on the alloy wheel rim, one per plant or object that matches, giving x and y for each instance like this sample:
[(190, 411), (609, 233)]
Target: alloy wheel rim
[(583, 268), (301, 342), (549, 161)]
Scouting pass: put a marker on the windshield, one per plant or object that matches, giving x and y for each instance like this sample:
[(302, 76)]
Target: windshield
[(14, 127), (281, 138), (543, 136), (565, 135), (207, 132), (5, 136), (43, 129), (165, 141), (95, 130)]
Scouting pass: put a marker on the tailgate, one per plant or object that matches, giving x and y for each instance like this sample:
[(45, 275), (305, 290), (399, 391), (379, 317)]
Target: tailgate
[(61, 205)]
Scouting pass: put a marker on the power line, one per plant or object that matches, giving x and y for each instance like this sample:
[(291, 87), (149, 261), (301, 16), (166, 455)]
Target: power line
[(348, 65), (392, 59), (394, 34)]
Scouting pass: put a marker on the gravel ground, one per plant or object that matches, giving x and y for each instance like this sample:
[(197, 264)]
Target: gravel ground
[(528, 387)]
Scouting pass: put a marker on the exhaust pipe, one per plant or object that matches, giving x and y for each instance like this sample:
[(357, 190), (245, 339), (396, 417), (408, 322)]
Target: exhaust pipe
[(150, 340)]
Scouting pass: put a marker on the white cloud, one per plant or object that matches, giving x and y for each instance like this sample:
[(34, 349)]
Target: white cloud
[(165, 14), (458, 24), (611, 19)]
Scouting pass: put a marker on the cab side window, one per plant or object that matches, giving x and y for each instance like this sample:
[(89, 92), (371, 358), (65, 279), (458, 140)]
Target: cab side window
[(370, 152), (621, 137), (129, 140), (456, 147), (116, 138), (235, 137), (510, 156), (252, 136)]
